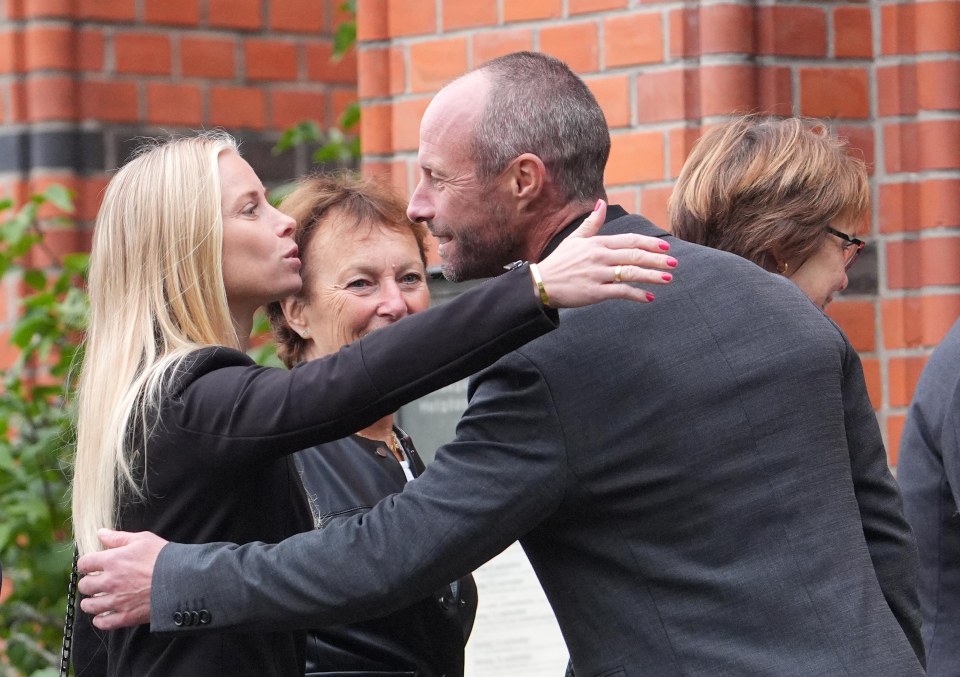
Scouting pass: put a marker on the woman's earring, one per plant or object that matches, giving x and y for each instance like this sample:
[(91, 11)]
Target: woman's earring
[(783, 268), (305, 333)]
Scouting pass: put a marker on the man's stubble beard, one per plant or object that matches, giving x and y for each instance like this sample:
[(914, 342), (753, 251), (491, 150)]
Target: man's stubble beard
[(476, 257)]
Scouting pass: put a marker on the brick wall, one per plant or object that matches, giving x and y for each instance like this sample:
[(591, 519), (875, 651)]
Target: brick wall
[(886, 73), (80, 80)]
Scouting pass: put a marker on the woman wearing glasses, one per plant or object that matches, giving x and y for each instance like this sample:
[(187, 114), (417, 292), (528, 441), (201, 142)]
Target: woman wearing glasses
[(786, 195), (783, 193)]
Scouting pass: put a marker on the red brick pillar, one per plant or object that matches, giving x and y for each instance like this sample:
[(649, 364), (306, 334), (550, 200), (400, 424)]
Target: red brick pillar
[(885, 73), (80, 80), (917, 112)]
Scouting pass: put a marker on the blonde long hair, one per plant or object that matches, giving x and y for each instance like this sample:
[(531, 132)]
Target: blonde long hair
[(156, 294)]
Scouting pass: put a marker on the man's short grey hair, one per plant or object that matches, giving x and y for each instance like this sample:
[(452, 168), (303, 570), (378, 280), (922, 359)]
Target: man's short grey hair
[(538, 105)]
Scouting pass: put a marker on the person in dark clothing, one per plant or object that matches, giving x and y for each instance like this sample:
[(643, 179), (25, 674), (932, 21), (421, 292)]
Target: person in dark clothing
[(364, 268), (929, 475), (179, 431), (700, 485)]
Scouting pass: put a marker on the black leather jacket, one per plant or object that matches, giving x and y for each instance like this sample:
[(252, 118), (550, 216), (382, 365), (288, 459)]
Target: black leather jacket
[(425, 639)]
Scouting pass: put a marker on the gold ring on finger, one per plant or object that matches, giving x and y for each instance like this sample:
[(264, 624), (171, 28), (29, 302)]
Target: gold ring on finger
[(616, 273)]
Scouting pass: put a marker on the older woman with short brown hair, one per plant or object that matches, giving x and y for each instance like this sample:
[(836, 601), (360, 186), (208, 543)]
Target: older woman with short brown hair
[(329, 210), (783, 193), (364, 267)]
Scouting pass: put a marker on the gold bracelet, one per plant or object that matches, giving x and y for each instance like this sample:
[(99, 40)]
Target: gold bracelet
[(544, 298)]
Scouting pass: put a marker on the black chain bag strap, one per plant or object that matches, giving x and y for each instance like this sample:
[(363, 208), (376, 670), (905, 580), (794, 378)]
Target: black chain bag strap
[(68, 621)]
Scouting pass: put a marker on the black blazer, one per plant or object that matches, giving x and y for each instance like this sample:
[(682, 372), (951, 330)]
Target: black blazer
[(699, 483), (346, 478), (218, 466)]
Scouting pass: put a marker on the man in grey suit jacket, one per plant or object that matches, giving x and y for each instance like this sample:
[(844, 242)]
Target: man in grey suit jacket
[(699, 483), (929, 474)]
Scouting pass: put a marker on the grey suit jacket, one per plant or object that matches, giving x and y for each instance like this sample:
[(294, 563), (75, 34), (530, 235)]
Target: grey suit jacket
[(699, 483), (929, 474)]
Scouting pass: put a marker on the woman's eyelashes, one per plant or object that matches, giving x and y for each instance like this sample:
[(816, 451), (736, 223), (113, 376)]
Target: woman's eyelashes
[(404, 281), (359, 284), (411, 279)]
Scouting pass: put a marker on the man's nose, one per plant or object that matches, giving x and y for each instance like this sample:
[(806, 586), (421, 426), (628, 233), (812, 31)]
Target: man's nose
[(419, 208)]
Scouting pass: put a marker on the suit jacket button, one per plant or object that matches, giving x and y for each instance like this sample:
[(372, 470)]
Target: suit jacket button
[(178, 619), (204, 617), (194, 618)]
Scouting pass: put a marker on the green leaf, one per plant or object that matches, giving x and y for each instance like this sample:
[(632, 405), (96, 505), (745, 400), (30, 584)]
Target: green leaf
[(35, 279), (14, 229), (343, 39), (42, 299), (61, 284), (285, 143), (23, 245), (60, 196), (346, 34), (6, 535), (28, 328), (350, 117), (6, 458), (76, 263), (303, 132), (327, 153)]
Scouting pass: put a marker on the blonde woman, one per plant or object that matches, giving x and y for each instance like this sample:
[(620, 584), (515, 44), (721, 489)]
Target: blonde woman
[(181, 434)]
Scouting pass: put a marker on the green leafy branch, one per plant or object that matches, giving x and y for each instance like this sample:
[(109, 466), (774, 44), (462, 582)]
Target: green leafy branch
[(37, 433), (339, 145), (345, 36)]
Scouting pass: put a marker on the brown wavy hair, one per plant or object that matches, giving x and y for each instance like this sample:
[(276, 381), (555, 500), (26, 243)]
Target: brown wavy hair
[(316, 198), (766, 188)]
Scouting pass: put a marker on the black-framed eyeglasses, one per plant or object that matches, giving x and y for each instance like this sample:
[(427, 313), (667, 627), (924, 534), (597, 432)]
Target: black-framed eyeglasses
[(851, 248)]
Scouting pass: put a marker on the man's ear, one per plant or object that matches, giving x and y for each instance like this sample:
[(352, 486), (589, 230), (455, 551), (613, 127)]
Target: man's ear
[(525, 178), (293, 312)]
